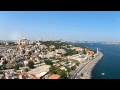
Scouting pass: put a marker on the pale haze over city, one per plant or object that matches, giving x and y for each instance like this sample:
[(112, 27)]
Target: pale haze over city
[(66, 25)]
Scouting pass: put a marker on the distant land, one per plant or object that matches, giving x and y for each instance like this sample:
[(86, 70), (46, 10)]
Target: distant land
[(73, 41)]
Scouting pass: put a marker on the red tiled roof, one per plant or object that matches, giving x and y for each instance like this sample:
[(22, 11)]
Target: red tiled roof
[(54, 76)]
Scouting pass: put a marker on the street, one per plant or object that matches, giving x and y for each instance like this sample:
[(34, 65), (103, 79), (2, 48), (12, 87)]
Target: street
[(86, 68)]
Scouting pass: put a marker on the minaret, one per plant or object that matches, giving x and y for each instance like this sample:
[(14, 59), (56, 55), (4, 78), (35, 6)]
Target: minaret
[(97, 51)]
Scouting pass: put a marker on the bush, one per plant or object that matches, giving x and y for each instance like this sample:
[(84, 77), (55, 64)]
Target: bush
[(39, 58), (70, 52), (26, 70), (31, 64), (21, 65), (73, 68), (30, 53), (52, 70), (77, 64), (56, 70), (3, 67), (68, 69), (62, 74), (16, 67), (81, 74), (48, 62)]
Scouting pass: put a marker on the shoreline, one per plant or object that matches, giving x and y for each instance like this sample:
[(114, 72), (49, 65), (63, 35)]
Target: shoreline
[(99, 58), (88, 68)]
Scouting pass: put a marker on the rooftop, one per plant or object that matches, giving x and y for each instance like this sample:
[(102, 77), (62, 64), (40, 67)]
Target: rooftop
[(54, 76), (43, 68), (41, 74)]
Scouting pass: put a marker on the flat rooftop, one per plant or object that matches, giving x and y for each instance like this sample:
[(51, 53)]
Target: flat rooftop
[(43, 68)]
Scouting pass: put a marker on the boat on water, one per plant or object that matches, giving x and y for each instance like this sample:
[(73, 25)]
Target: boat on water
[(102, 73)]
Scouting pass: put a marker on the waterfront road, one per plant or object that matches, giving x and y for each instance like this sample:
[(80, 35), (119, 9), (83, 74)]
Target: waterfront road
[(73, 74), (85, 68)]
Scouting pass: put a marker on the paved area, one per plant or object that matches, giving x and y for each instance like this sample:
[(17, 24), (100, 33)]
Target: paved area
[(39, 69)]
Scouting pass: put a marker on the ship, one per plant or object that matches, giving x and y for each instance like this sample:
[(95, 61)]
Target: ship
[(102, 73)]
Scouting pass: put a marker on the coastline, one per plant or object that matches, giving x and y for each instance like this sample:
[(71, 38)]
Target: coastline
[(96, 61), (87, 70)]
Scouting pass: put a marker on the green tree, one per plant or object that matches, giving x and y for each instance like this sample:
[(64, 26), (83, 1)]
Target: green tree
[(3, 67), (30, 53), (21, 65), (16, 67), (81, 74), (26, 69), (33, 51), (4, 63), (39, 58), (52, 57), (52, 70), (62, 74), (70, 52), (84, 52), (31, 64), (34, 43), (73, 68), (68, 69), (14, 55), (48, 62), (77, 64), (15, 70)]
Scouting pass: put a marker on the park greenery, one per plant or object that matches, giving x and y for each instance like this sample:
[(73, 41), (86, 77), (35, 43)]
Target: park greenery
[(56, 70), (57, 44), (70, 52)]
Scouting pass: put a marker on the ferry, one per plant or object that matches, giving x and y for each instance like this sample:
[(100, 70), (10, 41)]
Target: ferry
[(102, 73)]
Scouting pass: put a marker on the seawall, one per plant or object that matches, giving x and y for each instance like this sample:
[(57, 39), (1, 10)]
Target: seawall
[(87, 70)]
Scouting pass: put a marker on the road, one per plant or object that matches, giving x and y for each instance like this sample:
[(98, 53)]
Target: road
[(85, 68), (74, 73)]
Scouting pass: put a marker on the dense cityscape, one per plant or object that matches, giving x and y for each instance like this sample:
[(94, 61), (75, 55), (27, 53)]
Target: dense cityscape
[(59, 45), (34, 59)]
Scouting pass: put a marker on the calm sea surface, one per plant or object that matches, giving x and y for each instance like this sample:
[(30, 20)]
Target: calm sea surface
[(109, 64)]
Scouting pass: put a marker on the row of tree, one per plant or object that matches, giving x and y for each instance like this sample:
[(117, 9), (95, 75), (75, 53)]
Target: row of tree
[(70, 52)]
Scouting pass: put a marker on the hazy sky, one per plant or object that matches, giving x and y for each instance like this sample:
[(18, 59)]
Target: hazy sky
[(66, 25)]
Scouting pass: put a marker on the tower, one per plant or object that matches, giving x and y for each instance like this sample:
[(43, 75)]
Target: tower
[(97, 51)]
